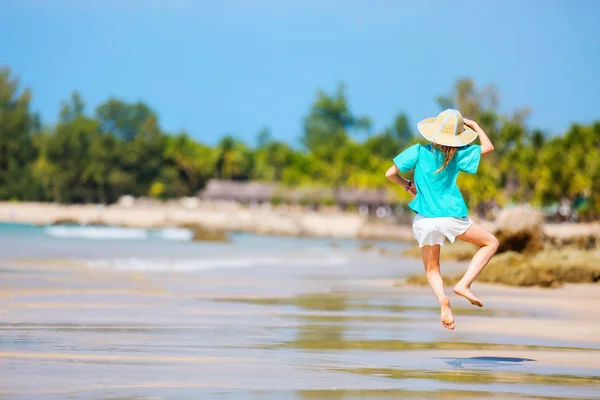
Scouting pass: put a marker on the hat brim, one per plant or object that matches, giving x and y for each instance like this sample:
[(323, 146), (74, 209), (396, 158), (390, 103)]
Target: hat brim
[(428, 129)]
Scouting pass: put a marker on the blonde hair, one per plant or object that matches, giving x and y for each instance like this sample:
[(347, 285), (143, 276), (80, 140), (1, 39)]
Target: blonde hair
[(448, 152)]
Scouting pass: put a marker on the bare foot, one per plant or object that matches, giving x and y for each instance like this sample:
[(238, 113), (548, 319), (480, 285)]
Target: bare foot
[(467, 294), (446, 314)]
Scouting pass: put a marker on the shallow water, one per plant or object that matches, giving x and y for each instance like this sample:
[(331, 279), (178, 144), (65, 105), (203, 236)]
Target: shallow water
[(155, 317)]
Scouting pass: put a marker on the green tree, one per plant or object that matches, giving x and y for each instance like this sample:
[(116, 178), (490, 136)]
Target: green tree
[(470, 100), (271, 160), (123, 150), (393, 140), (103, 161), (63, 164), (263, 138), (329, 123), (196, 161), (123, 120), (234, 160), (72, 109), (145, 155), (17, 127)]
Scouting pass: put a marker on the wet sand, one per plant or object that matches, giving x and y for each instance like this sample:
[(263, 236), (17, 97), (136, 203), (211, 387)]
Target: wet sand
[(69, 331)]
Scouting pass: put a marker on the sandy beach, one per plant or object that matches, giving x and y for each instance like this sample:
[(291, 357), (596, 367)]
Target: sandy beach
[(102, 320)]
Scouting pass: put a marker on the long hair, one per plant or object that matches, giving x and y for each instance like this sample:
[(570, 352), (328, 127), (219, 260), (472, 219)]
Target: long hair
[(448, 152)]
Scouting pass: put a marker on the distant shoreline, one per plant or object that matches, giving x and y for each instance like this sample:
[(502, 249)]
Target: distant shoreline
[(217, 216), (233, 217)]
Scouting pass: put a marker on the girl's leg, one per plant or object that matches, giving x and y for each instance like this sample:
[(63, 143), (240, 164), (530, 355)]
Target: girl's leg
[(489, 245), (431, 261)]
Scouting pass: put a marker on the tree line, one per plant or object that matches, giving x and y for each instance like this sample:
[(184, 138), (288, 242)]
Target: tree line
[(120, 148)]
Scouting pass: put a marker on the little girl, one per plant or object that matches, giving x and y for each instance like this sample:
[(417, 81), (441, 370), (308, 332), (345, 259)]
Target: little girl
[(441, 210)]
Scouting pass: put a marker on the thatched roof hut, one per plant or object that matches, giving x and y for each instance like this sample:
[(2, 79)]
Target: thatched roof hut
[(353, 196), (237, 191), (306, 194), (247, 192)]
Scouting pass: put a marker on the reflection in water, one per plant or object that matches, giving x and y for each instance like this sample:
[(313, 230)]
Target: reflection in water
[(324, 394), (310, 335), (404, 394), (341, 301), (337, 313), (330, 337), (309, 301), (336, 302), (320, 336), (464, 376)]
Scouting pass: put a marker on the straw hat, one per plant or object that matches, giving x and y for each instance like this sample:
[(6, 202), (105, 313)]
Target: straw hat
[(447, 129)]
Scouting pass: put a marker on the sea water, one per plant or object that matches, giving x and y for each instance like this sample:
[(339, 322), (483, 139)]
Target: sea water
[(170, 249), (110, 312)]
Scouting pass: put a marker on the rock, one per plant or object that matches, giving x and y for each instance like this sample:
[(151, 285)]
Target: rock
[(382, 251), (201, 233), (548, 268), (65, 221), (367, 246), (191, 203), (519, 218), (520, 229), (126, 201), (581, 242)]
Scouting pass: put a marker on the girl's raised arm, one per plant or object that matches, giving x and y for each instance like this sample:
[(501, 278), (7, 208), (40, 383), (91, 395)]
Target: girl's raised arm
[(486, 143)]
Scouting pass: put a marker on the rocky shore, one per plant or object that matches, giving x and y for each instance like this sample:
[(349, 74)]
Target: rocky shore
[(530, 253)]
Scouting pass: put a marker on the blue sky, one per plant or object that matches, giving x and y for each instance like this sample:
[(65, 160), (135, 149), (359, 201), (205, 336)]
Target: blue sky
[(235, 66)]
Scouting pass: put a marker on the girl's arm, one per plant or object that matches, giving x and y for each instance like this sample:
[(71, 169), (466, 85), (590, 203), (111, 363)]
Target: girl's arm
[(486, 143), (392, 175)]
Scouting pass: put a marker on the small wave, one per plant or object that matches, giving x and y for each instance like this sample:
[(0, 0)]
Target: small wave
[(191, 265), (113, 232), (176, 234), (96, 232)]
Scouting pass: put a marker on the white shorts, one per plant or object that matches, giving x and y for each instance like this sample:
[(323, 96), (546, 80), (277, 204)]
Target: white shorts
[(432, 231)]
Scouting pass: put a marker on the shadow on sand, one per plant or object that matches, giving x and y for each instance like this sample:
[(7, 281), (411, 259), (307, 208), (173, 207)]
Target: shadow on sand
[(489, 362)]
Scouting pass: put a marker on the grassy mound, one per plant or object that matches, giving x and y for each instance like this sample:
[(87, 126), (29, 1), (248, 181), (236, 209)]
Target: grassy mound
[(549, 268)]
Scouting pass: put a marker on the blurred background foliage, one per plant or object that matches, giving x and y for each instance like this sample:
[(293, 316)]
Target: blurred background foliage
[(120, 148)]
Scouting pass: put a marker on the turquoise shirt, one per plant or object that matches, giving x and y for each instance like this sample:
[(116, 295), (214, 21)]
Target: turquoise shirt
[(437, 194)]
